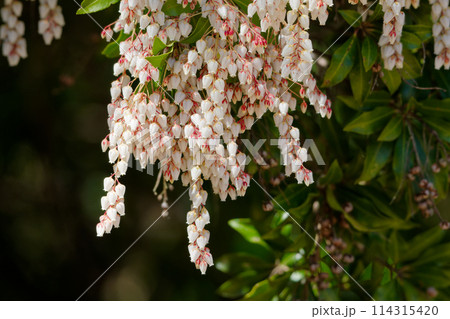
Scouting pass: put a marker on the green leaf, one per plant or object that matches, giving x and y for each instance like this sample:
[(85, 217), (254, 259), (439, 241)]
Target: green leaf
[(350, 102), (341, 62), (279, 237), (352, 17), (199, 31), (330, 294), (267, 289), (392, 79), (299, 212), (394, 246), (377, 14), (377, 156), (378, 199), (443, 80), (293, 196), (172, 8), (441, 182), (392, 130), (438, 277), (441, 127), (411, 41), (332, 200), (241, 284), (387, 274), (365, 220), (421, 242), (278, 218), (158, 60), (387, 292), (334, 174), (434, 255), (360, 80), (366, 274), (239, 262), (242, 4), (290, 259), (366, 217), (411, 66), (112, 50), (412, 293), (91, 6), (435, 108), (369, 122), (377, 98), (401, 159), (158, 46), (369, 52), (423, 32), (245, 227)]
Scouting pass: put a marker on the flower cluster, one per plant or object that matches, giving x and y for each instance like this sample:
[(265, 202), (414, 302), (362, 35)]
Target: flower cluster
[(363, 2), (198, 236), (51, 22), (113, 204), (414, 3), (220, 84), (184, 98), (393, 21), (440, 14), (13, 30)]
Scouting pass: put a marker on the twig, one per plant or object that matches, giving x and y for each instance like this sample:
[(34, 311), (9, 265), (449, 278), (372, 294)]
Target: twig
[(424, 88)]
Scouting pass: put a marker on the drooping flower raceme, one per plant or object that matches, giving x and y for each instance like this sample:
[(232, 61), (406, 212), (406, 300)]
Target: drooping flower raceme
[(189, 112), (184, 98), (363, 2), (52, 20), (412, 3), (393, 21), (440, 14), (12, 31)]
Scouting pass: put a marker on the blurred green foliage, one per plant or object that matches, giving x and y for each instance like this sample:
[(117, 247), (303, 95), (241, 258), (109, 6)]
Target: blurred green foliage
[(367, 210)]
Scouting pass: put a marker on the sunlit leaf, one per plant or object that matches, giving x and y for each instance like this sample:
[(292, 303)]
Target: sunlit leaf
[(158, 46), (245, 227), (199, 31), (174, 9), (91, 6), (112, 50), (158, 60), (240, 262), (241, 284), (267, 289)]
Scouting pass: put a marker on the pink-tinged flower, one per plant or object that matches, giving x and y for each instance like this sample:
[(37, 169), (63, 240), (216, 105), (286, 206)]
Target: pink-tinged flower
[(232, 65)]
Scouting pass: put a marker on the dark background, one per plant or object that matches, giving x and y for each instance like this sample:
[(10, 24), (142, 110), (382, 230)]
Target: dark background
[(53, 118)]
